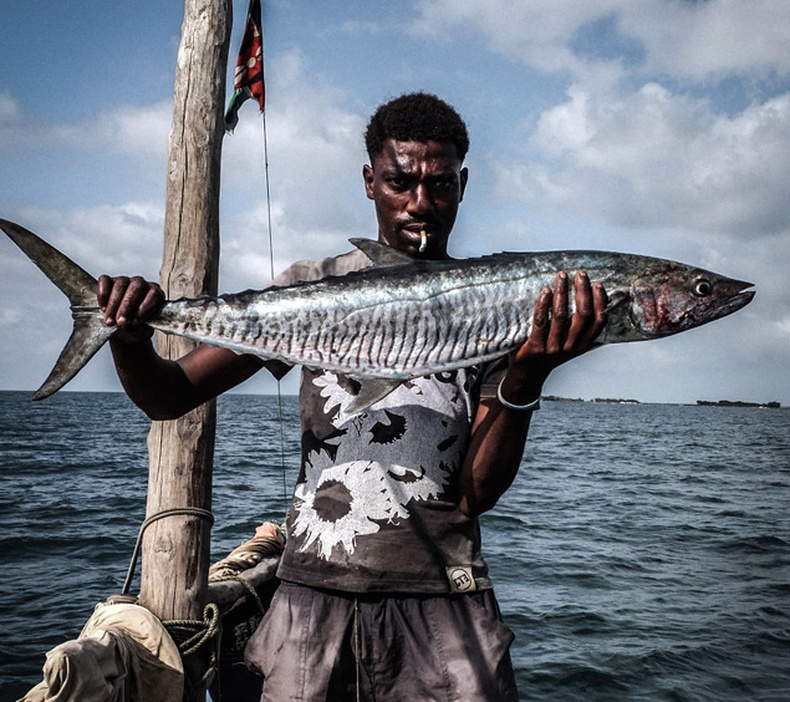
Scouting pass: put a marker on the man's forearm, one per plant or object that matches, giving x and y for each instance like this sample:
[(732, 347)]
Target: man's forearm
[(157, 386), (166, 389), (494, 456)]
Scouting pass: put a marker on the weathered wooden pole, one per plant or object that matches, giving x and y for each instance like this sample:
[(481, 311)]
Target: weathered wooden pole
[(176, 549)]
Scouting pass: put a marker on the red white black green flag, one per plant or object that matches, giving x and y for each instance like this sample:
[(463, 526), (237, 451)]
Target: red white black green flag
[(249, 67)]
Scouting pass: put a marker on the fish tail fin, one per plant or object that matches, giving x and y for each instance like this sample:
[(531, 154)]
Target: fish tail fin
[(89, 333)]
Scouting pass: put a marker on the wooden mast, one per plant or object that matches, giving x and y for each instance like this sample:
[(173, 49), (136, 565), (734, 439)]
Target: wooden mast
[(176, 549)]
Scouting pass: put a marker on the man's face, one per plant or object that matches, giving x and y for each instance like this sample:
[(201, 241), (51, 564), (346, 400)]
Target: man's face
[(416, 186)]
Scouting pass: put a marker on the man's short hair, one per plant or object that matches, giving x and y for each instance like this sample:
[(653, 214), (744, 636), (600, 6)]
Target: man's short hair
[(416, 117)]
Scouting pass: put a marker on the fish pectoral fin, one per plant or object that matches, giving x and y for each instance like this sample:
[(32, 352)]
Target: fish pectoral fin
[(616, 299), (618, 317), (381, 254), (371, 392)]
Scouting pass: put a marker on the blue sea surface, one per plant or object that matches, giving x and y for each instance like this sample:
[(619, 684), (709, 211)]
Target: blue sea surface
[(643, 552)]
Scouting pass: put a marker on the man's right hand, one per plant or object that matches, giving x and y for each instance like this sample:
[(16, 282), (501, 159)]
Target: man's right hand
[(128, 303)]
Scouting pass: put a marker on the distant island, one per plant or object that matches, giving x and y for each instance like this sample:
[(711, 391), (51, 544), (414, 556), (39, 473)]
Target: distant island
[(738, 403), (600, 400), (700, 403)]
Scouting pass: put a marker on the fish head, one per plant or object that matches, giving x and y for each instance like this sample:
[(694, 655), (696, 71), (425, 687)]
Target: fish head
[(672, 297)]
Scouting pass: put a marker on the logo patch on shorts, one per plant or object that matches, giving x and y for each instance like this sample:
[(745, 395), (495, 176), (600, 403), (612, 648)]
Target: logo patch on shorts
[(461, 579)]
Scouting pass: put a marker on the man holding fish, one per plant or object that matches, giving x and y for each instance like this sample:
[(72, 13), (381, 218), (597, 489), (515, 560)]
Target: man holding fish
[(385, 594)]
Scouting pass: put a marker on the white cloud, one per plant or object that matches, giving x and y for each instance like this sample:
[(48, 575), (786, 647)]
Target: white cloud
[(113, 239), (533, 32), (136, 131), (627, 147), (315, 166), (15, 134), (9, 107), (655, 159), (783, 328), (690, 39), (315, 154), (704, 39)]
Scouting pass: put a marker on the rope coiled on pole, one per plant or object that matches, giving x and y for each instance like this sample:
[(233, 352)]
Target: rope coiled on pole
[(176, 511)]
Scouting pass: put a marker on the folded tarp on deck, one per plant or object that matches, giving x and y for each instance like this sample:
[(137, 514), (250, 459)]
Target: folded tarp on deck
[(123, 654)]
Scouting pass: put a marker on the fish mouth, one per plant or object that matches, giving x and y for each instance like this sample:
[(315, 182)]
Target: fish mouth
[(735, 296), (739, 296)]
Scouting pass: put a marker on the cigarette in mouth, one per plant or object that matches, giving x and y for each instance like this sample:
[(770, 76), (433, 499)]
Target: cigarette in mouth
[(423, 241)]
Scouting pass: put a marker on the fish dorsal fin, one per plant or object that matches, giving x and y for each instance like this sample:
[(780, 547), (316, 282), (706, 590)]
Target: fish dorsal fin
[(381, 254)]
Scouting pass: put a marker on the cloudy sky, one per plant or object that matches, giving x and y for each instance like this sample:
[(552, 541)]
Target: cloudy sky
[(659, 127)]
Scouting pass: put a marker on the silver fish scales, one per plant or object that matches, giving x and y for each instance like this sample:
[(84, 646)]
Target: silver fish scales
[(395, 322), (402, 318)]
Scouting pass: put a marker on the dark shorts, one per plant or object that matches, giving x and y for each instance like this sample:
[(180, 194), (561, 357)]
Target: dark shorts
[(411, 648)]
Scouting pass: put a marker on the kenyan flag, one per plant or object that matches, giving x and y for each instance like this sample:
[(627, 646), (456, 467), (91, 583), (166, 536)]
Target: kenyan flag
[(249, 67)]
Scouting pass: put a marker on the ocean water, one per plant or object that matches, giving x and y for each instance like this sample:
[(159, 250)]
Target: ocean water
[(643, 552)]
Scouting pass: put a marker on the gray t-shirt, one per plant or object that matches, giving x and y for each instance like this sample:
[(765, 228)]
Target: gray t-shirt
[(375, 508)]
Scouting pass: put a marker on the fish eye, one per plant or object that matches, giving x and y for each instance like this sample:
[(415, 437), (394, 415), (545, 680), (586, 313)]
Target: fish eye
[(702, 287)]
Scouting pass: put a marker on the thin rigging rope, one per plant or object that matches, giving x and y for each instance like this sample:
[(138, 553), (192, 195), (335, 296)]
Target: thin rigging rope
[(271, 271)]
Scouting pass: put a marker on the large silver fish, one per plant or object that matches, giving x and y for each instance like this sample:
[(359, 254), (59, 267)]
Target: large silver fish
[(401, 318)]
